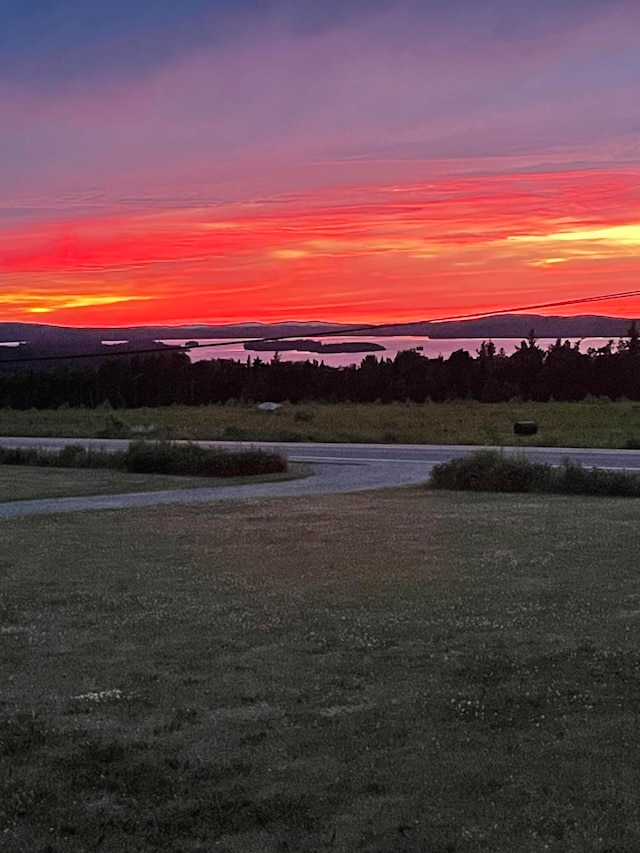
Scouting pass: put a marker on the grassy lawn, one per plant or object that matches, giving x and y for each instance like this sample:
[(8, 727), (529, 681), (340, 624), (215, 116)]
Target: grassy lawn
[(395, 671), (22, 482), (585, 424)]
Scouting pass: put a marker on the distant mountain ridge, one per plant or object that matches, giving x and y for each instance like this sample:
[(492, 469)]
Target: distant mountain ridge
[(495, 326), (39, 333), (519, 326)]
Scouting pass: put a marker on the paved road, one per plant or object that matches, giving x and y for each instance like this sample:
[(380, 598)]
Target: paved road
[(337, 468)]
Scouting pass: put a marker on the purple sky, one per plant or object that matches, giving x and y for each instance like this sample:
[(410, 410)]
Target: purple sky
[(121, 97)]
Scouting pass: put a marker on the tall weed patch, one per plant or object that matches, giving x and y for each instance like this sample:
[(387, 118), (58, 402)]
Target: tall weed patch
[(495, 471), (168, 458), (71, 456), (145, 457)]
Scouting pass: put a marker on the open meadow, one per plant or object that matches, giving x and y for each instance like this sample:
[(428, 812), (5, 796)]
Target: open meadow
[(597, 423), (394, 671)]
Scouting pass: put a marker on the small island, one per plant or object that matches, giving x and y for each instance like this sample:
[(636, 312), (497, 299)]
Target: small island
[(313, 346)]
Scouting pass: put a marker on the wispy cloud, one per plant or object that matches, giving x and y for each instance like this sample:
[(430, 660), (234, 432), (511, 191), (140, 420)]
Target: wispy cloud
[(314, 155), (387, 85), (408, 249)]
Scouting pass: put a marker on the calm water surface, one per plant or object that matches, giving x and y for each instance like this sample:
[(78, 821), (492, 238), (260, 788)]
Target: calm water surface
[(431, 348)]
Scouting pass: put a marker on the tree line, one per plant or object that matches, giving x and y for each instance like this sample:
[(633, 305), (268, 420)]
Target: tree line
[(560, 372)]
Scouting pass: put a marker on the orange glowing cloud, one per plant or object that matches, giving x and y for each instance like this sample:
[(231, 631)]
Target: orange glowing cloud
[(371, 254)]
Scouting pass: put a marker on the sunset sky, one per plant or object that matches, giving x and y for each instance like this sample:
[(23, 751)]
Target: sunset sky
[(214, 161)]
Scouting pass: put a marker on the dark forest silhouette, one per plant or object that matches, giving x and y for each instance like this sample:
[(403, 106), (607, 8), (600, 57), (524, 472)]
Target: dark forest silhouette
[(560, 372)]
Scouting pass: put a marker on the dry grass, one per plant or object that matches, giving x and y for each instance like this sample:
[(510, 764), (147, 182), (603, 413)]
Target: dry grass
[(21, 482), (396, 671), (584, 424)]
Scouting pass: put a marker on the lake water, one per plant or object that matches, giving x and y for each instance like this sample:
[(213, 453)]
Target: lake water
[(432, 348)]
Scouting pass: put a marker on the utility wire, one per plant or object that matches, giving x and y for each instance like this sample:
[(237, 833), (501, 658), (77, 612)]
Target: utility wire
[(477, 316), (583, 300)]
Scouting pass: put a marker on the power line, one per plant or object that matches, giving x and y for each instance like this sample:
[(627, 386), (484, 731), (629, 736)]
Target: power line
[(583, 300), (156, 350), (477, 316)]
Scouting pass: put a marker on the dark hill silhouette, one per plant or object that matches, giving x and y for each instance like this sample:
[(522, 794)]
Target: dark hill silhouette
[(498, 326), (534, 371)]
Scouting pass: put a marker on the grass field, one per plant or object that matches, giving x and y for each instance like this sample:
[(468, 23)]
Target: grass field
[(20, 482), (394, 671), (586, 424)]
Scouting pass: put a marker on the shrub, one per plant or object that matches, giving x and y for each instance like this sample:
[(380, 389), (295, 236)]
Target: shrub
[(195, 460), (490, 471), (71, 456), (18, 455), (572, 478), (143, 457), (495, 471)]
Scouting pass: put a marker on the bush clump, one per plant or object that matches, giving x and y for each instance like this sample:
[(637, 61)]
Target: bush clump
[(495, 471), (70, 456), (574, 479), (146, 457), (166, 457)]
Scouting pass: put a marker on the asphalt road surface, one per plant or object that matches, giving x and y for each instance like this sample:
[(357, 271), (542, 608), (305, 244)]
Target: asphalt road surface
[(337, 468)]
